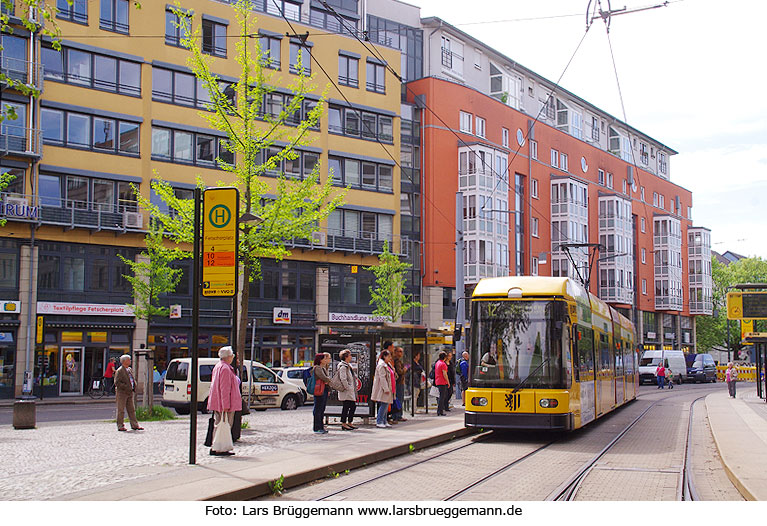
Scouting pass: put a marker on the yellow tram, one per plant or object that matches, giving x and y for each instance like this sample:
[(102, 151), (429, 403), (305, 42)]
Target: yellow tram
[(546, 354)]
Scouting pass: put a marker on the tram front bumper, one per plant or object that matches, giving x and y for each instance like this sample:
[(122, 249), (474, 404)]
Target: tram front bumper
[(559, 421)]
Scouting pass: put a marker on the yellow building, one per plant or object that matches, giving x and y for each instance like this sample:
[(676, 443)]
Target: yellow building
[(119, 105)]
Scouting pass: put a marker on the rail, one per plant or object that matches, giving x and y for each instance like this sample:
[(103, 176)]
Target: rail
[(23, 71), (20, 140)]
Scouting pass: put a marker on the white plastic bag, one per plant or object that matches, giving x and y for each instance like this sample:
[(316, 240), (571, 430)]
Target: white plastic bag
[(222, 436), (434, 391)]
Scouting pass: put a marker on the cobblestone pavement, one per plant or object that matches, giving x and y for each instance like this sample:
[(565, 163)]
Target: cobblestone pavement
[(643, 466), (58, 459)]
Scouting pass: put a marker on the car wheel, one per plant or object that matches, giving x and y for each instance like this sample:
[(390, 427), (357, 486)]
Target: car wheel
[(289, 402), (182, 410)]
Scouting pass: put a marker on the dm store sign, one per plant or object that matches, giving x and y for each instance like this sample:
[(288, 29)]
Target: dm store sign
[(281, 315)]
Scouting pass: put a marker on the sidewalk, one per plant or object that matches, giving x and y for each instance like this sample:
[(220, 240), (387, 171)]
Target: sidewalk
[(110, 399), (92, 461), (739, 427)]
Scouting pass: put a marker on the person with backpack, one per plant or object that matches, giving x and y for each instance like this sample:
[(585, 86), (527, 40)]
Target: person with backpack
[(660, 372), (319, 387), (347, 389)]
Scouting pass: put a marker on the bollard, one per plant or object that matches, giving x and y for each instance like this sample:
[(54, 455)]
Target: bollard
[(24, 413)]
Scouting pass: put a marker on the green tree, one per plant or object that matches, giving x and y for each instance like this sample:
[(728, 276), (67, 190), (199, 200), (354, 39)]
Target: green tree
[(254, 143), (5, 180), (712, 330), (387, 292)]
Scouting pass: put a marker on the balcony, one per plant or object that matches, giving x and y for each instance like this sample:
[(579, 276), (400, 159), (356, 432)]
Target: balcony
[(70, 214), (19, 140), (23, 71), (366, 243)]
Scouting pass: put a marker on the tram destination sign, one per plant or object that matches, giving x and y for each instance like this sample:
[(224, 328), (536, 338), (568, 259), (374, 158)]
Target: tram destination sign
[(219, 241), (747, 305)]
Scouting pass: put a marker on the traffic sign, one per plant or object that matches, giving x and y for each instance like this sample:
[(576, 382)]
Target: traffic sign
[(219, 241)]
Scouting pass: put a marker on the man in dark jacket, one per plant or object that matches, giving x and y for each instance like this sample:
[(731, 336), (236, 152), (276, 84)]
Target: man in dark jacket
[(399, 370), (125, 386)]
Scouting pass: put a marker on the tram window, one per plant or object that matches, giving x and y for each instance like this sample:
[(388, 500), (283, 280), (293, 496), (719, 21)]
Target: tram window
[(585, 354)]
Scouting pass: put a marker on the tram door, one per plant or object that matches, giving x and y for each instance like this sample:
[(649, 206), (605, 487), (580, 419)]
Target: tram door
[(585, 372)]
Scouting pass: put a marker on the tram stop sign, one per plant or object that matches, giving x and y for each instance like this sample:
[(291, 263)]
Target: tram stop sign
[(219, 241)]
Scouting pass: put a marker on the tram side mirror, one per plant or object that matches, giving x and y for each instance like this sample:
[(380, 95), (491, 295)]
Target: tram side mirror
[(457, 332)]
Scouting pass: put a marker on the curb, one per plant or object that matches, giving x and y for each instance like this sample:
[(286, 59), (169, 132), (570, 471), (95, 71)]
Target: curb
[(39, 402), (304, 477), (731, 475)]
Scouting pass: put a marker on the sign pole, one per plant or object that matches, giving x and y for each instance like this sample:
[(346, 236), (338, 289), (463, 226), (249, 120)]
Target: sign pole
[(195, 329)]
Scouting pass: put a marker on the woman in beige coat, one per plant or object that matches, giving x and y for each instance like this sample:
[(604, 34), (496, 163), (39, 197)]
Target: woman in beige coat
[(383, 393), (347, 389)]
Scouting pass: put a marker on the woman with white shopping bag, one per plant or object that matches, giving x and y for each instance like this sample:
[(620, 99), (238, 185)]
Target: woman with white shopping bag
[(224, 399)]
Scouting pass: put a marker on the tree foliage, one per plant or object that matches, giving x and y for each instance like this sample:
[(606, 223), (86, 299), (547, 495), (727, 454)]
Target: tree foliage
[(259, 142), (712, 330), (387, 292)]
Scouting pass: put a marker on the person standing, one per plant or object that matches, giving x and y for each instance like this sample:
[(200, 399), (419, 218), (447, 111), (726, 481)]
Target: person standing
[(347, 394), (109, 376), (450, 362), (731, 376), (224, 399), (418, 378), (125, 387), (441, 381), (321, 381), (463, 372), (382, 391), (399, 399), (660, 372)]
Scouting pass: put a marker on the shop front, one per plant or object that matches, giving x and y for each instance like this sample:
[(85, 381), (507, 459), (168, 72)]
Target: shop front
[(7, 359)]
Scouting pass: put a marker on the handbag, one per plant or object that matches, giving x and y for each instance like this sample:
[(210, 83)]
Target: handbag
[(397, 404), (434, 391), (335, 382), (319, 388), (222, 436), (209, 435)]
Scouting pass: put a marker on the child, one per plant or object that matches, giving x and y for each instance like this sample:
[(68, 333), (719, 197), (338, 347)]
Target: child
[(669, 378)]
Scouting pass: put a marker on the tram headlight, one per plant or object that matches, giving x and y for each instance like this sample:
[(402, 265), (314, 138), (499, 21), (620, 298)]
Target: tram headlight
[(479, 400), (548, 403)]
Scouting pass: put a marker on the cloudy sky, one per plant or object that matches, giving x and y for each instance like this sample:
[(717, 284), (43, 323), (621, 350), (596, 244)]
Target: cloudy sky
[(692, 76)]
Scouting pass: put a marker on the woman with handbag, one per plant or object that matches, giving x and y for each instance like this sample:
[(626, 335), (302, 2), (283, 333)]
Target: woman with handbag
[(347, 389), (383, 391), (224, 399), (321, 381)]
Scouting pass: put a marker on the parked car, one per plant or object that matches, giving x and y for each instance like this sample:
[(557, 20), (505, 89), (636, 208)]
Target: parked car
[(701, 368), (296, 376), (267, 389), (671, 359)]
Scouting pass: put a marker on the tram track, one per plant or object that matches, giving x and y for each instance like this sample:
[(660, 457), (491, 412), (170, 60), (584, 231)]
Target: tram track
[(686, 487)]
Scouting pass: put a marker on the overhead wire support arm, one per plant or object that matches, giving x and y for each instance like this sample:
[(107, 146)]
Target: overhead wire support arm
[(598, 13)]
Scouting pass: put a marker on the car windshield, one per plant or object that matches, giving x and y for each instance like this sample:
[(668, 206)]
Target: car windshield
[(511, 339), (649, 361)]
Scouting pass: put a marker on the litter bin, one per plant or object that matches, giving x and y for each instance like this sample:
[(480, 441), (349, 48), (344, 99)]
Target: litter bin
[(24, 413)]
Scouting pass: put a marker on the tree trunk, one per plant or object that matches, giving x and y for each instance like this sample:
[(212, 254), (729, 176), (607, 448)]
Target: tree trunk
[(242, 326)]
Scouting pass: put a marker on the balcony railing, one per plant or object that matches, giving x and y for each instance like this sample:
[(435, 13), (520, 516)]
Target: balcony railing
[(701, 307), (19, 70), (70, 214), (447, 58), (668, 302), (18, 140), (333, 240)]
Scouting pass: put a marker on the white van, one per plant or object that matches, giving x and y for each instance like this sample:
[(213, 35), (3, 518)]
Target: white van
[(670, 359), (268, 390)]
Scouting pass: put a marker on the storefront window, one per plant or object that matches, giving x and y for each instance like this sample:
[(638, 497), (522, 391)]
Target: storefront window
[(7, 358)]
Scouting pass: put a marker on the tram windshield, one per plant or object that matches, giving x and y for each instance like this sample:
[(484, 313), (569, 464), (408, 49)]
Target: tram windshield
[(511, 339)]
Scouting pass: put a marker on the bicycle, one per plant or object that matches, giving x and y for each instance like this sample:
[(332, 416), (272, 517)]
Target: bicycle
[(99, 389)]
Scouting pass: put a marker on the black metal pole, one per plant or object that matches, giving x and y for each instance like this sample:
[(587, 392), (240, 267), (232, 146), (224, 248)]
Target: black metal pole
[(729, 357), (195, 328)]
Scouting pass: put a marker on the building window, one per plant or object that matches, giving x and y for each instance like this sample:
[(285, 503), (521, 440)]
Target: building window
[(176, 87), (298, 167), (213, 38), (480, 127), (77, 12), (185, 147), (534, 188), (644, 157), (533, 149), (300, 54), (601, 177), (662, 163), (643, 227), (661, 201), (360, 225), (563, 162), (348, 71), (594, 129), (625, 187), (92, 70), (114, 15), (270, 52), (177, 28), (71, 129), (505, 137), (554, 158), (576, 124), (609, 181), (534, 227), (363, 175), (280, 8), (641, 193), (644, 287), (644, 255), (376, 77), (466, 119), (355, 123), (655, 198), (534, 267)]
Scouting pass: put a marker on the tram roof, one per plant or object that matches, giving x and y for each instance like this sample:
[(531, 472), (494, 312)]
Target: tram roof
[(530, 286)]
